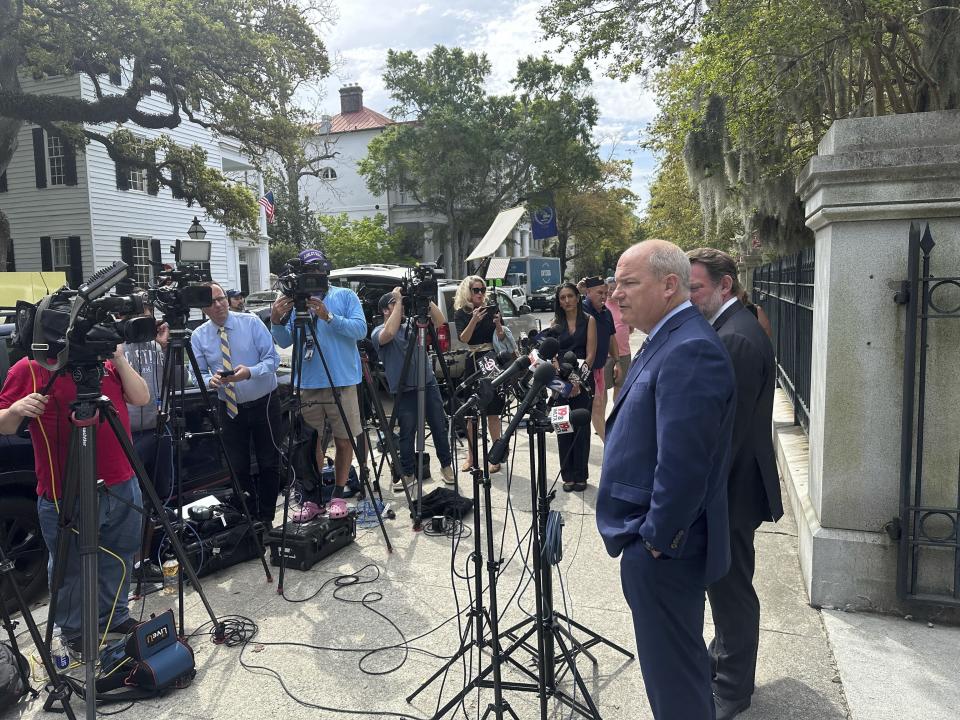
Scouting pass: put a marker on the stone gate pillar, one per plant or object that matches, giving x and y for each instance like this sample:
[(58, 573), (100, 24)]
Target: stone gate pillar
[(870, 178)]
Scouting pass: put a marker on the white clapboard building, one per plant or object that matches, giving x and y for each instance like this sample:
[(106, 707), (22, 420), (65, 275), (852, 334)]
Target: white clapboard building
[(77, 211)]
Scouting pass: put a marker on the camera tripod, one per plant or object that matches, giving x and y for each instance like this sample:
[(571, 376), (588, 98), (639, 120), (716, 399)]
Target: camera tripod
[(303, 324), (80, 483), (378, 421), (59, 690), (172, 402), (416, 352)]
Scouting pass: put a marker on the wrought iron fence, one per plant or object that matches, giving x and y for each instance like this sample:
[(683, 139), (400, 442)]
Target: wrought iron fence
[(784, 289)]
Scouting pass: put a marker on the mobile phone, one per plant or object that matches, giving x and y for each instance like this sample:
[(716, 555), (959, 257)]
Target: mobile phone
[(225, 373)]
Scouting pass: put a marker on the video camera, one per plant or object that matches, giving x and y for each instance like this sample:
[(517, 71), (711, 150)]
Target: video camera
[(178, 290), (300, 281), (419, 288), (77, 327)]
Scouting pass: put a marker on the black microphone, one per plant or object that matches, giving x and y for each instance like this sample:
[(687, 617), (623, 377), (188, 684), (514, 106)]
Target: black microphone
[(542, 355), (570, 358), (541, 376), (580, 417), (504, 358)]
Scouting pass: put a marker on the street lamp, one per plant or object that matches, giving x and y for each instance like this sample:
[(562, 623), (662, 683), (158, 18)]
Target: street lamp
[(196, 231)]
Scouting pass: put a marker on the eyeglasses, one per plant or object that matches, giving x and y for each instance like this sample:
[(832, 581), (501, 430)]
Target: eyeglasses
[(478, 290)]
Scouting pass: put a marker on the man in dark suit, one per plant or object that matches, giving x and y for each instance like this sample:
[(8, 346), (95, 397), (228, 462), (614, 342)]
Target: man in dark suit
[(753, 487), (662, 500)]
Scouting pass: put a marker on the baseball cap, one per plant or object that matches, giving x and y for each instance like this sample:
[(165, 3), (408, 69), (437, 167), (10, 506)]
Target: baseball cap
[(312, 256), (234, 293), (385, 300), (592, 282)]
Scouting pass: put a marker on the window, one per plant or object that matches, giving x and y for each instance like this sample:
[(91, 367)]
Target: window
[(140, 271), (61, 254), (138, 179), (55, 158), (328, 173)]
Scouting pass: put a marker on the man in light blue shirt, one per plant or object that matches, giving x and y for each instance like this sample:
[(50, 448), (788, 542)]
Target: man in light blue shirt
[(237, 359), (338, 319)]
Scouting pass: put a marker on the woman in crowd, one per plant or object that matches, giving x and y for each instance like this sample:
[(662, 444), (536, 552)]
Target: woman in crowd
[(476, 324), (577, 332)]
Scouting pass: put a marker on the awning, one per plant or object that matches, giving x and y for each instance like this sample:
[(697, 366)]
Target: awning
[(501, 227)]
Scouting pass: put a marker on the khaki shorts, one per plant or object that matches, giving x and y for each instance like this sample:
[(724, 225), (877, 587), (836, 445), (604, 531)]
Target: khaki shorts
[(319, 406), (624, 363)]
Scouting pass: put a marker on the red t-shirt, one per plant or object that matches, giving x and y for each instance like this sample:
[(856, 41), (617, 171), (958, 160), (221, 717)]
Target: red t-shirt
[(52, 443)]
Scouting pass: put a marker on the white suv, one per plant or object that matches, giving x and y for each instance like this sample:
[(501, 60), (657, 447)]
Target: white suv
[(370, 282)]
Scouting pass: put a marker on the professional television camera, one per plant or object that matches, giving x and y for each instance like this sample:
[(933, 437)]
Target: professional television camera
[(419, 288), (300, 280), (178, 290), (77, 327)]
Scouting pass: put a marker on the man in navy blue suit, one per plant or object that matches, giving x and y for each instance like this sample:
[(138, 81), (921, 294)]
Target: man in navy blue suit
[(662, 500)]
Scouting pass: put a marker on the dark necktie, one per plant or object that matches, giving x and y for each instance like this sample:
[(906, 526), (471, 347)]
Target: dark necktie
[(642, 348)]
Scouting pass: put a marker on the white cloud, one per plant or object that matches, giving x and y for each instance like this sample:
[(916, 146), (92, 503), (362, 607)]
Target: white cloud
[(505, 30)]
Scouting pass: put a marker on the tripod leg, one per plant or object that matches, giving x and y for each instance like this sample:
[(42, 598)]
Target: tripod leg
[(233, 473), (154, 500)]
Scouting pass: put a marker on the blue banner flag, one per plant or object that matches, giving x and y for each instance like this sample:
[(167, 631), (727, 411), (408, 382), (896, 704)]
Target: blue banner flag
[(544, 223)]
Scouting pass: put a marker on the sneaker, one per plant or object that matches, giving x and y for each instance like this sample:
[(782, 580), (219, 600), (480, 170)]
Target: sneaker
[(447, 474), (307, 512), (122, 628), (400, 483), (148, 572)]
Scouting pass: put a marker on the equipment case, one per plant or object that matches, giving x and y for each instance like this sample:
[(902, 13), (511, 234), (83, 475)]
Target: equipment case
[(308, 543)]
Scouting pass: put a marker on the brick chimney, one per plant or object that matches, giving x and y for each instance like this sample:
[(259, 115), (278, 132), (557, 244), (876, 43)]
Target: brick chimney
[(351, 99)]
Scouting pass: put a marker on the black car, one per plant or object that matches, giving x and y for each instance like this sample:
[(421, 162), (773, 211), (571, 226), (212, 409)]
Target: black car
[(541, 300)]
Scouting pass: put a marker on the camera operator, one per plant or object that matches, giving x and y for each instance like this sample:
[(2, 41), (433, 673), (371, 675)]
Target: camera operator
[(147, 359), (391, 339), (339, 322), (237, 358), (119, 524), (236, 299)]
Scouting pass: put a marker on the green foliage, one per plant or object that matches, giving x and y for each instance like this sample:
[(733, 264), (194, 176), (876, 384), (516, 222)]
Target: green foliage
[(748, 88), (280, 253), (220, 64), (467, 155), (355, 242)]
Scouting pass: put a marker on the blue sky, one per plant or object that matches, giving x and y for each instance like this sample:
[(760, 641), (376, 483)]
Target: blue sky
[(505, 30)]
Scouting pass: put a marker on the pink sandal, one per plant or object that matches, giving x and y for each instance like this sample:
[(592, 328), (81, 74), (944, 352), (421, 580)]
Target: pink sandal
[(307, 512)]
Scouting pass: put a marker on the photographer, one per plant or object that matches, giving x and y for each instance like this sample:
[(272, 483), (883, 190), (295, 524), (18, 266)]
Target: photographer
[(391, 339), (477, 322), (337, 318), (119, 524), (236, 357)]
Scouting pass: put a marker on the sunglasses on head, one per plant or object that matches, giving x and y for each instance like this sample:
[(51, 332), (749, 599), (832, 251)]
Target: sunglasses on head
[(477, 290)]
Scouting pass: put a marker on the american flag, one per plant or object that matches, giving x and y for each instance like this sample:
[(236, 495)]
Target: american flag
[(267, 202)]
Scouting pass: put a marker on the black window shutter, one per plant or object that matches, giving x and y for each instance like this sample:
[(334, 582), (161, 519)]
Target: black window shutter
[(39, 158), (11, 260), (126, 251), (3, 181), (46, 254), (156, 254), (75, 273), (123, 176), (153, 175), (69, 163)]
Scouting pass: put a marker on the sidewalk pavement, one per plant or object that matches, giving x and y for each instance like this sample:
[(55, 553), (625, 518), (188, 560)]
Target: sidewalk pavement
[(887, 668)]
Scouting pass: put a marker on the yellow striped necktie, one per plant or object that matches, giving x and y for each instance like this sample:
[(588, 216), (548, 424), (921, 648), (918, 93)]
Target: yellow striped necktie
[(228, 389)]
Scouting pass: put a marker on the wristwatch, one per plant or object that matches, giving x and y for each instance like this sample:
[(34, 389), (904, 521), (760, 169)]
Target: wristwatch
[(329, 318)]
